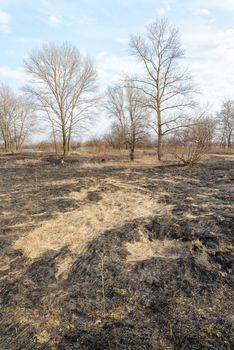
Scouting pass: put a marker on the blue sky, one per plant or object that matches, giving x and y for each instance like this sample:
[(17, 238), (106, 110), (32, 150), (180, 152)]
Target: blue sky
[(102, 29)]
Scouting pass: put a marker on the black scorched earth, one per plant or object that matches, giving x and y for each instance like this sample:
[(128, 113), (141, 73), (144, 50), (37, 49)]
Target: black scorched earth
[(115, 257)]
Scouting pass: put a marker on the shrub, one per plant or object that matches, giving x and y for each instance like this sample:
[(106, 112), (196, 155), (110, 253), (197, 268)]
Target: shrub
[(193, 142)]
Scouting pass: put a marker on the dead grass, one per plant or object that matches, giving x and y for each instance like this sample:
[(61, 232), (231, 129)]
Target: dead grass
[(145, 249), (63, 182), (28, 161), (77, 228), (121, 158), (33, 317), (140, 162)]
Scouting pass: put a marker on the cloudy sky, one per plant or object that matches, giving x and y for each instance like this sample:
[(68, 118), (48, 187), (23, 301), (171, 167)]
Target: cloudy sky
[(102, 29)]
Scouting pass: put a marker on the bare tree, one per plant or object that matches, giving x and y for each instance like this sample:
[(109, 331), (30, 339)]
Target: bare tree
[(16, 119), (167, 87), (123, 104), (63, 86), (226, 119), (115, 137), (7, 110)]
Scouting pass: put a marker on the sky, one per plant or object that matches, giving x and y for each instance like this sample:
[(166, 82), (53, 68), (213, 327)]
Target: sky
[(101, 29)]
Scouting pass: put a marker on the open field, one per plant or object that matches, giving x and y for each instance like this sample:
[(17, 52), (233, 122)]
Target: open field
[(116, 255)]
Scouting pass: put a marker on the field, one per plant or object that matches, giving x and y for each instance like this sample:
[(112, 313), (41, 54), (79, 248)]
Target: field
[(105, 254)]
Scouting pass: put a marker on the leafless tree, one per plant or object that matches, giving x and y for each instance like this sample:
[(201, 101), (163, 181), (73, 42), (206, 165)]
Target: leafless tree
[(168, 89), (63, 86), (7, 110), (226, 120), (17, 117), (115, 137), (123, 104)]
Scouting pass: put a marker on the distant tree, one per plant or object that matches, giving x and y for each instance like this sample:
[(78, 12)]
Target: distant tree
[(166, 86), (17, 117), (63, 86), (226, 119), (123, 104), (115, 137)]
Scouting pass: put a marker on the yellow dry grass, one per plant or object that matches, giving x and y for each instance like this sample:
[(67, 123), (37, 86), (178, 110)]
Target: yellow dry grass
[(145, 249), (63, 182), (42, 322), (140, 162), (79, 227), (32, 316), (28, 161)]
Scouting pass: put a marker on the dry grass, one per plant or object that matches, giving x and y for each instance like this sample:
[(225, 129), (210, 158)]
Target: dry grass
[(139, 162), (63, 182), (43, 324), (32, 316), (145, 249), (28, 161), (221, 151), (143, 157), (77, 228)]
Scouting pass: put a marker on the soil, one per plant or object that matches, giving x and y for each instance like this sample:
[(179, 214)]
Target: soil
[(181, 298)]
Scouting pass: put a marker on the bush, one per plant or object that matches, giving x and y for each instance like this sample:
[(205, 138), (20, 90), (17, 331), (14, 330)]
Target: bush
[(192, 143)]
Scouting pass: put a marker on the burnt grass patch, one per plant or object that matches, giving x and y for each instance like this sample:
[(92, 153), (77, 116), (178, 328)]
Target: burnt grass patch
[(179, 298)]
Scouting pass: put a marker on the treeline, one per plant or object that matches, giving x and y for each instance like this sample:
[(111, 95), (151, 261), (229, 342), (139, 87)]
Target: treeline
[(159, 100)]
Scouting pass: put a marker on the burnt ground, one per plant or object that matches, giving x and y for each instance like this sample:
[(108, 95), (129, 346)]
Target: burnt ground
[(163, 281)]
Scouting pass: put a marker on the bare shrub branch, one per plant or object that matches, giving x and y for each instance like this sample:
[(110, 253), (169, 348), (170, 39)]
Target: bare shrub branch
[(190, 144)]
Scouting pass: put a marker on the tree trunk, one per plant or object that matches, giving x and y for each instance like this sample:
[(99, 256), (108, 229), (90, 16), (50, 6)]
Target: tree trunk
[(7, 146), (68, 144), (229, 143), (160, 136), (69, 137), (132, 154), (64, 143), (159, 148)]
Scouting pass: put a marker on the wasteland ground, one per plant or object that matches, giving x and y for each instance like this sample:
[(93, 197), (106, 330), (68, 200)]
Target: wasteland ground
[(111, 255)]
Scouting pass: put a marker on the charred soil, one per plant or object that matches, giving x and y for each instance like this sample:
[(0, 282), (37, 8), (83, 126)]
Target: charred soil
[(115, 257)]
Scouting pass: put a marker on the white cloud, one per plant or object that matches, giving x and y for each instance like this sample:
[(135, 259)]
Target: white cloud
[(227, 5), (15, 77), (205, 14), (111, 67), (161, 12), (211, 64), (5, 19), (165, 7), (202, 12), (54, 20), (215, 5)]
